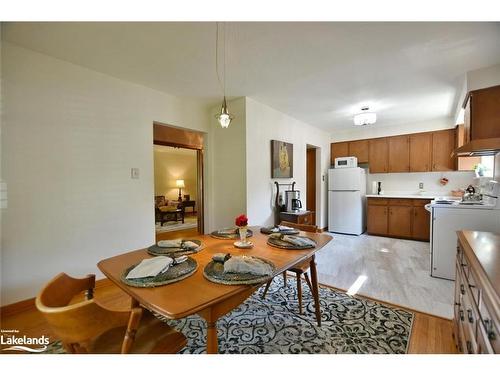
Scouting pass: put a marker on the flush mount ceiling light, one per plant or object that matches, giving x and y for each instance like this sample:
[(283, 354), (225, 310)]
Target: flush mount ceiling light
[(365, 117), (224, 117)]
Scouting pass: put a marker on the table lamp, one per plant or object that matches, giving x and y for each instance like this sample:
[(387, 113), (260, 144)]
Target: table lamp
[(180, 185)]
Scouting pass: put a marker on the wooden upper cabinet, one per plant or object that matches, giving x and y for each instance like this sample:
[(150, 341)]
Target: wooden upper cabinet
[(482, 114), (338, 150), (379, 155), (399, 154), (420, 152), (359, 149), (443, 144)]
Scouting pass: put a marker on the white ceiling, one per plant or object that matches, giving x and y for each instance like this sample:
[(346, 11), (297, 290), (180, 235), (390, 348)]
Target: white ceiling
[(320, 73)]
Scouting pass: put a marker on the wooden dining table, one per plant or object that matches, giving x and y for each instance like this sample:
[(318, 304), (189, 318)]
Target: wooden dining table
[(196, 294)]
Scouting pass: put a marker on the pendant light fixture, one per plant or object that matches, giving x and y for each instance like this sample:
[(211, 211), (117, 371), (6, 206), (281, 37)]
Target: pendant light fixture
[(224, 117)]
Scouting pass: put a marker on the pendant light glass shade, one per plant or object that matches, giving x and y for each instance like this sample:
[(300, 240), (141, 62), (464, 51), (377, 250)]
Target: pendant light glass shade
[(224, 117)]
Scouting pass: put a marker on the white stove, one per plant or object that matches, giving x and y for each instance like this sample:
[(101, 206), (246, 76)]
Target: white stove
[(451, 215)]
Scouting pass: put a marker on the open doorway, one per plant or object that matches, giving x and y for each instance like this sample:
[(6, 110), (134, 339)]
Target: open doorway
[(175, 175), (178, 182), (311, 181)]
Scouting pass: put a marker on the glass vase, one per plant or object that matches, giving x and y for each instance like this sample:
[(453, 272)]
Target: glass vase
[(243, 234)]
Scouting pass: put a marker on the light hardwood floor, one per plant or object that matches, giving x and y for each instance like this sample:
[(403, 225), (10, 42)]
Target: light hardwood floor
[(430, 334)]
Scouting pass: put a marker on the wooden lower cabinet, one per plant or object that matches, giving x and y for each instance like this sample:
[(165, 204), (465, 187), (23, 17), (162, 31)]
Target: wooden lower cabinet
[(400, 218), (421, 229), (377, 219), (400, 221), (476, 313)]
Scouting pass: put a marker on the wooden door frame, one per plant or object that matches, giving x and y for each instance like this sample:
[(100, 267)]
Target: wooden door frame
[(166, 135), (317, 183)]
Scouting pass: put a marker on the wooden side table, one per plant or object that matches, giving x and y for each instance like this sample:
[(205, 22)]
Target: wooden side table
[(189, 204)]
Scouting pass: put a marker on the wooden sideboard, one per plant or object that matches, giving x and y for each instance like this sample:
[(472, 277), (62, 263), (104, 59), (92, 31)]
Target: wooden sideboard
[(400, 218), (477, 291), (301, 217)]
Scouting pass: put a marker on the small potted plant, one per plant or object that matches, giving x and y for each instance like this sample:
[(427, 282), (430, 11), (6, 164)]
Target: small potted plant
[(479, 169), (242, 224)]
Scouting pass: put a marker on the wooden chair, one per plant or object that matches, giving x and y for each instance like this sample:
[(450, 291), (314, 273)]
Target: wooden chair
[(300, 268), (89, 327)]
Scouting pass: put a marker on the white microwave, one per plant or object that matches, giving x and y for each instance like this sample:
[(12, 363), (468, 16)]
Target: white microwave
[(346, 162)]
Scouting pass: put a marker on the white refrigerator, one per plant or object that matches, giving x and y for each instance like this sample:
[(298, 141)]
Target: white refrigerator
[(347, 200)]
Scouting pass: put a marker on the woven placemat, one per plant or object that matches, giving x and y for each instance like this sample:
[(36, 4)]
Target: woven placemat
[(232, 236), (175, 251), (214, 271), (172, 275), (275, 242), (268, 230)]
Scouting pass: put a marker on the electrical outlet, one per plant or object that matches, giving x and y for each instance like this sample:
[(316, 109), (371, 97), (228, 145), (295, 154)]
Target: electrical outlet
[(134, 173), (421, 185)]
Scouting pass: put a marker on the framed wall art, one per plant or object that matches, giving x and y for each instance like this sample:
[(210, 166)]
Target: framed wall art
[(281, 159)]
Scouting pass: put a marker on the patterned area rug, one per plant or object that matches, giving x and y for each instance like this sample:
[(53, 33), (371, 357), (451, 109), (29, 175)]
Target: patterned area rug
[(273, 325)]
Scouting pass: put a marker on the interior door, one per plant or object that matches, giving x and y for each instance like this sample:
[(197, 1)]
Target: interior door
[(311, 182)]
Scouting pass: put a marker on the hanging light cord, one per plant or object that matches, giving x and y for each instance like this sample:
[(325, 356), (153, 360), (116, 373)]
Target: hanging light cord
[(222, 86)]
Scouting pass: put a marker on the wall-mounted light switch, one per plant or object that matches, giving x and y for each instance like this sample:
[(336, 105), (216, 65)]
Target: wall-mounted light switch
[(134, 173), (421, 185)]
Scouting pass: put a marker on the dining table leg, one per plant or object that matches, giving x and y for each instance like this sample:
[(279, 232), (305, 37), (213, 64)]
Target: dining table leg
[(212, 343), (213, 313), (315, 289)]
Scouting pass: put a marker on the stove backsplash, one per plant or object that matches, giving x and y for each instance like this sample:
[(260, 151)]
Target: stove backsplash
[(409, 182)]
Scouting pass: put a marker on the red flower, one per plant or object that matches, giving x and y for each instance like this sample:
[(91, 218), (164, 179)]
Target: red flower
[(241, 221)]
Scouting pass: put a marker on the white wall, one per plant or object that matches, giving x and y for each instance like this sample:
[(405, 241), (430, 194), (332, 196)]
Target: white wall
[(226, 174), (408, 182), (70, 136), (264, 124), (484, 77), (376, 130)]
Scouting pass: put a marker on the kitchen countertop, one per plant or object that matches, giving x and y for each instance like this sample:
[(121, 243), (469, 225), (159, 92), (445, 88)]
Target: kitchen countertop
[(407, 195)]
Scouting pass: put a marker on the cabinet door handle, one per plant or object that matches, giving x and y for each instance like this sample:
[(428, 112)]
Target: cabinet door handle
[(469, 347), (489, 329), (470, 318), (462, 289)]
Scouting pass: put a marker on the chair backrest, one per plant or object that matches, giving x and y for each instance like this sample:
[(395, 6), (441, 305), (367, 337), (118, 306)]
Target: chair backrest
[(303, 227), (78, 323), (160, 201)]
